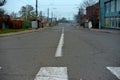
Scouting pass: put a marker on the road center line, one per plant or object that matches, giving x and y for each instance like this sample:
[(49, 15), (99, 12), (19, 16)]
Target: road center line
[(60, 45), (115, 71), (52, 73), (0, 67)]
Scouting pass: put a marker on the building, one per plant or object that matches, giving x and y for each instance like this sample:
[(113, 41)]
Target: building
[(93, 14), (110, 14), (5, 22)]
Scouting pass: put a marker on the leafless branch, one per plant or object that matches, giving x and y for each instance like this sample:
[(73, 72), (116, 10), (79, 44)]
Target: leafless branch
[(2, 2)]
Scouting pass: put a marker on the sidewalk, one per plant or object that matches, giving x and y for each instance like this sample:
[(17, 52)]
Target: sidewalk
[(106, 30), (100, 30), (17, 33)]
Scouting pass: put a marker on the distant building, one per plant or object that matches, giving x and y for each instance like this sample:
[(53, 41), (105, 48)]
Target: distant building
[(110, 14), (93, 14), (84, 21)]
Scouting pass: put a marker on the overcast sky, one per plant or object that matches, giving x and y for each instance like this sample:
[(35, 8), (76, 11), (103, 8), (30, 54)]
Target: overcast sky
[(61, 8)]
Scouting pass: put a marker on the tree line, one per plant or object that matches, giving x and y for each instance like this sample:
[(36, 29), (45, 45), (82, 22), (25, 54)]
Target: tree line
[(25, 12), (2, 3)]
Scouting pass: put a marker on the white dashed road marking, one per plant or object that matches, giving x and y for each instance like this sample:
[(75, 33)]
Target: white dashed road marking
[(0, 67), (60, 45), (115, 71), (52, 73)]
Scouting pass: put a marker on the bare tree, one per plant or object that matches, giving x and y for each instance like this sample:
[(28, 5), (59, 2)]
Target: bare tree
[(87, 3), (23, 11), (80, 15), (13, 15), (27, 11), (2, 2), (2, 11)]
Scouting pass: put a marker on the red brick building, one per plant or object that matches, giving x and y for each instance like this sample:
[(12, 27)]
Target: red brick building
[(93, 14)]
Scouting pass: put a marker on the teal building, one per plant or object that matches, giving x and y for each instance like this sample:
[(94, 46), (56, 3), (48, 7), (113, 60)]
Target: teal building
[(110, 14)]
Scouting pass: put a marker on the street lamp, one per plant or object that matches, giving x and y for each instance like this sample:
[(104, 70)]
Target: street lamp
[(54, 16)]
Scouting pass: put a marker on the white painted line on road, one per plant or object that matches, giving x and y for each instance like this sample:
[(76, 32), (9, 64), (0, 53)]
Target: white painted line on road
[(52, 73), (0, 67), (60, 45), (115, 71)]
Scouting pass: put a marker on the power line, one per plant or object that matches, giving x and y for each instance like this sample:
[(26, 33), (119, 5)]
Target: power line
[(27, 3), (22, 2)]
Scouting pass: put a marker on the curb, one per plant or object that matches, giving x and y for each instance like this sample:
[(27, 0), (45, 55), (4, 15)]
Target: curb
[(17, 33), (106, 31), (100, 30)]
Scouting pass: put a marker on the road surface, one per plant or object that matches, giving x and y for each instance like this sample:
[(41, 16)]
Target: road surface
[(60, 53)]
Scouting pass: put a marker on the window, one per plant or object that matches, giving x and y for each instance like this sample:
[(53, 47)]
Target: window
[(107, 7), (118, 22), (107, 22), (118, 5), (113, 5), (112, 22)]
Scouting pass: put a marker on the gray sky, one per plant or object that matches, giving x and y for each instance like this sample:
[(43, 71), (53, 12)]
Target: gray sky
[(61, 8)]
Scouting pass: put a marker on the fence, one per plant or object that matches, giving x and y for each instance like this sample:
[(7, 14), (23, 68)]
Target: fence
[(16, 24)]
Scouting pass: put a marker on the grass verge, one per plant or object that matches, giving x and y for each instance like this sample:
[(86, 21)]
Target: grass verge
[(3, 31)]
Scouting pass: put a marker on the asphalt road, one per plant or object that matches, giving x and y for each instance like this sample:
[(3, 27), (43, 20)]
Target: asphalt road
[(85, 53)]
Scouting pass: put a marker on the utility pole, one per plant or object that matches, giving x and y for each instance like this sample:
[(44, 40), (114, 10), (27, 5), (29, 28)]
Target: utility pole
[(37, 13), (36, 9), (48, 15), (52, 16), (79, 16)]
